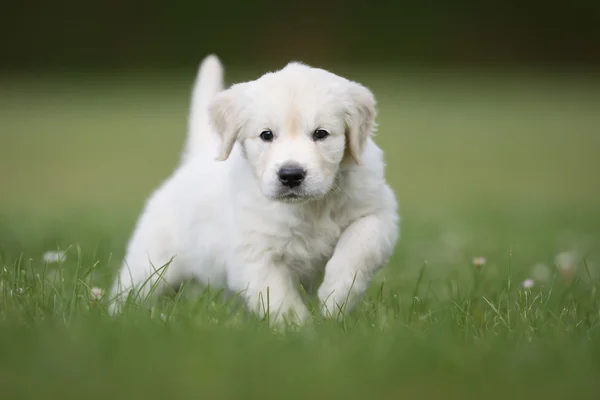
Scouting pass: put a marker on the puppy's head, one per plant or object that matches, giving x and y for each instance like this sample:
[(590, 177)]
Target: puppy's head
[(296, 128)]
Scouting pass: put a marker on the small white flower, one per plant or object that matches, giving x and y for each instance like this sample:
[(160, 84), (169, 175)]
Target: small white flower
[(479, 261), (54, 257), (527, 283), (566, 262), (541, 272), (96, 293), (163, 316)]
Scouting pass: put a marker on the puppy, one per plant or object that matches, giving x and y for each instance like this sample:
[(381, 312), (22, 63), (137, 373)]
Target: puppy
[(280, 185)]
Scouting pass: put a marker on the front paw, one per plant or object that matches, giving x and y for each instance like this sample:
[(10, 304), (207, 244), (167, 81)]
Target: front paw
[(292, 316), (336, 301), (282, 312)]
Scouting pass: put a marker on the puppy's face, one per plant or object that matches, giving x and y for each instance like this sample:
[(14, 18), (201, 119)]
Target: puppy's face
[(295, 127)]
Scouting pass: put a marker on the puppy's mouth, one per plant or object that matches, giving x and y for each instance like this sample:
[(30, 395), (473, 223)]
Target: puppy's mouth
[(293, 196), (299, 195)]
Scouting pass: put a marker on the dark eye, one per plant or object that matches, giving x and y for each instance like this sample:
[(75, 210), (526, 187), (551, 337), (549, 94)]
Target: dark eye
[(320, 134), (266, 136)]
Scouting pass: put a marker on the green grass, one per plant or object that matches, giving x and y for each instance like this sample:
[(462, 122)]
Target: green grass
[(500, 167)]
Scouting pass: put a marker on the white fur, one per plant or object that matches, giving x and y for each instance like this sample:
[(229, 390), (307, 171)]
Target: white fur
[(224, 218)]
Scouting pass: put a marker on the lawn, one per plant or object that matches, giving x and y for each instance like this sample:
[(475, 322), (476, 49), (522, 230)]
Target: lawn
[(497, 178)]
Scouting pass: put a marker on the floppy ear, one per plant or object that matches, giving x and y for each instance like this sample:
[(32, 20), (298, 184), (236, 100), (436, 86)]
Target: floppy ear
[(225, 116), (360, 119)]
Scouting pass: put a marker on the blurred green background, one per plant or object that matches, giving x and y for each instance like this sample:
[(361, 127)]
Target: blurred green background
[(158, 34), (489, 118)]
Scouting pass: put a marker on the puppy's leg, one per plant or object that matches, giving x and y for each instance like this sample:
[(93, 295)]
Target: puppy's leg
[(144, 276), (270, 289), (362, 249)]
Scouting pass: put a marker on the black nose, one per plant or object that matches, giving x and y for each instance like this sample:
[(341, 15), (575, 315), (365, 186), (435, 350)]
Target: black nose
[(291, 176)]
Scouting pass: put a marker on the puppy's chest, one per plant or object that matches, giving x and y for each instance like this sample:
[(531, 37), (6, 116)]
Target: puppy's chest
[(310, 243)]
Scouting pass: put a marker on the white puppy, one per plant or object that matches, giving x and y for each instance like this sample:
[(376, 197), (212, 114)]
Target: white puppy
[(279, 183)]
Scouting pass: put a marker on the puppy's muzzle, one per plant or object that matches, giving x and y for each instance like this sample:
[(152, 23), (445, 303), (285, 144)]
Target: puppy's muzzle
[(291, 175)]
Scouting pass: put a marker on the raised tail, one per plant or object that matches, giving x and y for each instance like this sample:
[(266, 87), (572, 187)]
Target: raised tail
[(209, 82)]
